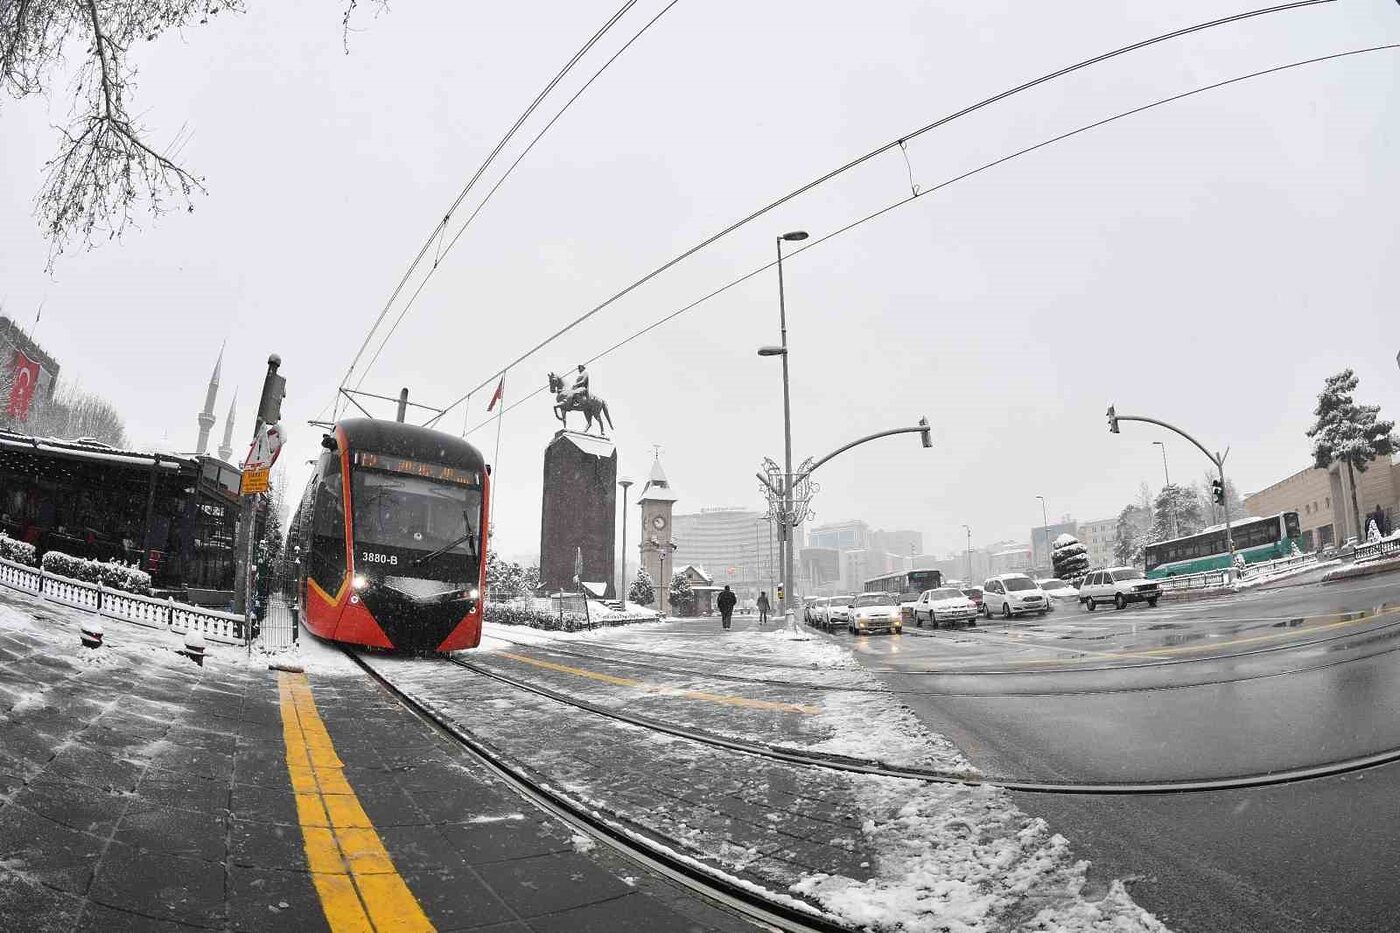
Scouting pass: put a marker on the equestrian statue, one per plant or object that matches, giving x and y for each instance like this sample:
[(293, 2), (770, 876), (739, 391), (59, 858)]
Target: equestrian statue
[(577, 398)]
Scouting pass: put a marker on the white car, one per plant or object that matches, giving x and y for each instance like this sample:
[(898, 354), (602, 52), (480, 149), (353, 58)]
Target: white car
[(946, 604), (1060, 592), (838, 611), (1012, 594), (812, 611), (1119, 586), (872, 612)]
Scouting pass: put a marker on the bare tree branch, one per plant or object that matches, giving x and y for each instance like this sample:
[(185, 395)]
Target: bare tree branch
[(105, 171)]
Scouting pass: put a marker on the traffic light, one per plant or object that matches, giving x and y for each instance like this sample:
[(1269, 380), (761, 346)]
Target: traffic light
[(1112, 420), (926, 435), (780, 591), (1217, 492)]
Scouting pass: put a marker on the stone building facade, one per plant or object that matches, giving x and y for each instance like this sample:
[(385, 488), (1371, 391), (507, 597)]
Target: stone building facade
[(1323, 500)]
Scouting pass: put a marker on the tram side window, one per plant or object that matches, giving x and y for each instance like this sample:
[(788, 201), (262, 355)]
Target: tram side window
[(327, 566)]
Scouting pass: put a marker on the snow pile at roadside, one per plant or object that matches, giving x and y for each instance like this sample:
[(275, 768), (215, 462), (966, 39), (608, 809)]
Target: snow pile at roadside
[(967, 860)]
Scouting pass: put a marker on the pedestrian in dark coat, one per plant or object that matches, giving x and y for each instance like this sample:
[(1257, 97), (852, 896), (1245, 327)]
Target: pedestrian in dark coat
[(726, 602), (763, 607)]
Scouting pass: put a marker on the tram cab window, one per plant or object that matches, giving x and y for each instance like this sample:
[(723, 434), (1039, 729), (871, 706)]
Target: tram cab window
[(396, 511)]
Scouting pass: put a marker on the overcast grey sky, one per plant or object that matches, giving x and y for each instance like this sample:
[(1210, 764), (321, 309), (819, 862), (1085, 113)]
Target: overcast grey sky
[(1208, 263)]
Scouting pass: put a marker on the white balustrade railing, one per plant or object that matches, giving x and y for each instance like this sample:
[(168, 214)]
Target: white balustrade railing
[(22, 578), (180, 618)]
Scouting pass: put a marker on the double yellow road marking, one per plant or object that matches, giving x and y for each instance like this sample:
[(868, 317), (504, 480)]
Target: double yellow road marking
[(359, 887), (613, 679)]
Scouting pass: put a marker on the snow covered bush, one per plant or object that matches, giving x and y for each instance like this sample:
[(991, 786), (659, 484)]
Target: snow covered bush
[(1070, 558), (643, 591), (682, 596), (112, 574), (19, 552)]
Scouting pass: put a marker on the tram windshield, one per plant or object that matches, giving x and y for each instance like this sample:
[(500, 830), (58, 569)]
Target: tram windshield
[(398, 511)]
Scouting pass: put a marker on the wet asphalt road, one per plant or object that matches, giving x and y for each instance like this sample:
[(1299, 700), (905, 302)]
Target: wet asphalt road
[(1264, 681)]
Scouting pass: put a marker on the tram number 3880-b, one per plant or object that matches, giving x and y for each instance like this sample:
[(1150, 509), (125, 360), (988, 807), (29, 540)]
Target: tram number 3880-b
[(391, 538)]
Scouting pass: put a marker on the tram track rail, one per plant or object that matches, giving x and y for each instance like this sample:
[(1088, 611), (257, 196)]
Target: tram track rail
[(765, 909), (855, 765)]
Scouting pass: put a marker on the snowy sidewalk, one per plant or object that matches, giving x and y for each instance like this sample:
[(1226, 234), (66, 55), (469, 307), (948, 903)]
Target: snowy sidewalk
[(140, 792)]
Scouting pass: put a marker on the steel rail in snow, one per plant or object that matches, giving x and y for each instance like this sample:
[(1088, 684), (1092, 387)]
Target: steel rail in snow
[(881, 769), (765, 909)]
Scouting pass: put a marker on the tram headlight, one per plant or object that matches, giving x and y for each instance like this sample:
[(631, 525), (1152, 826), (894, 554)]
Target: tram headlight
[(360, 581), (474, 594)]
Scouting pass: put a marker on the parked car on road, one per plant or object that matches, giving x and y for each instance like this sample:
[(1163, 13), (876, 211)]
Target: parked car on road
[(1013, 594), (811, 612), (1060, 592), (946, 604), (1119, 586), (874, 612)]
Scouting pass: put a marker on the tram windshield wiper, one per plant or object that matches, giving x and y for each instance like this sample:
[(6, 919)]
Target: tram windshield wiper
[(469, 538)]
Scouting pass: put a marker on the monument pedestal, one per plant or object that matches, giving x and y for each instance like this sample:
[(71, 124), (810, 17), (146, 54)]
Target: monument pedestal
[(578, 514)]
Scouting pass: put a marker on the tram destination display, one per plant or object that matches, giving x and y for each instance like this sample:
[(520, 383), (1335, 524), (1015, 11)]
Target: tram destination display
[(435, 471)]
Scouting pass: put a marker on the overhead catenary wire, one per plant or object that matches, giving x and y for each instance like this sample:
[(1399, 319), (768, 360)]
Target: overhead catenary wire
[(873, 153), (789, 257), (505, 175), (438, 229)]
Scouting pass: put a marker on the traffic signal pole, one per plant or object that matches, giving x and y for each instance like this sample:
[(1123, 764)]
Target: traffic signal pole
[(1216, 458), (784, 492), (269, 412)]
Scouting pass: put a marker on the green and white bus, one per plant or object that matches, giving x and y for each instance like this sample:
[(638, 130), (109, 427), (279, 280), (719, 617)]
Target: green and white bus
[(1256, 539)]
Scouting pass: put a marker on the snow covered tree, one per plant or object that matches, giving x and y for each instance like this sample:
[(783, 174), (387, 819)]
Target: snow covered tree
[(1070, 558), (682, 596), (1134, 523), (1176, 512), (1346, 432), (505, 578), (643, 591)]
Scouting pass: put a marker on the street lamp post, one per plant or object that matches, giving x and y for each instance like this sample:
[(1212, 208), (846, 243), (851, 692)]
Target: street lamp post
[(1046, 524), (1167, 477), (785, 532), (622, 592), (969, 555)]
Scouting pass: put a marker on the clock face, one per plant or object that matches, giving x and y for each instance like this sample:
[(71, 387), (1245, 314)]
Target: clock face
[(659, 522)]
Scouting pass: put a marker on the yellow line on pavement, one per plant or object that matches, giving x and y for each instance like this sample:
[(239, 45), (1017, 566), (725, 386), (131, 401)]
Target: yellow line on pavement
[(670, 691), (359, 887)]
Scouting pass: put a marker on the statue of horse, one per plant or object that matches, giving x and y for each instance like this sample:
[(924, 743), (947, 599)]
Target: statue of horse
[(593, 408)]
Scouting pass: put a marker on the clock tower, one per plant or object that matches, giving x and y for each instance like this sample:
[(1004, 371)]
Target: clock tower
[(657, 547)]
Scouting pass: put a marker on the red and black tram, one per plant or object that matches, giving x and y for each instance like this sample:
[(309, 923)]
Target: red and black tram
[(391, 538)]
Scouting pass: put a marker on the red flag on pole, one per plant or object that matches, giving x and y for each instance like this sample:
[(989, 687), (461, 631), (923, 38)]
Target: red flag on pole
[(25, 378), (496, 396)]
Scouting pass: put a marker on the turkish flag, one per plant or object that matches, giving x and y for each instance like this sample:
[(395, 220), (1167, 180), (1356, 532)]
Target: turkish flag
[(24, 379)]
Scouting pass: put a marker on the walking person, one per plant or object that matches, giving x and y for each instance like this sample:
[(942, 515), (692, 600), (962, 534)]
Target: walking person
[(763, 607), (726, 603)]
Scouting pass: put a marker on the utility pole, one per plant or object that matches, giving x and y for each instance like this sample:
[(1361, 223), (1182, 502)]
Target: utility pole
[(254, 482)]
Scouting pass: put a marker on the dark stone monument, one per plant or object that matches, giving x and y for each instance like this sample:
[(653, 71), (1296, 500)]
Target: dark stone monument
[(579, 513)]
